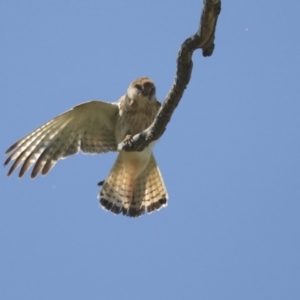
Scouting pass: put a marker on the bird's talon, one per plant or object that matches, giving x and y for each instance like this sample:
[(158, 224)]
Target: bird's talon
[(128, 141)]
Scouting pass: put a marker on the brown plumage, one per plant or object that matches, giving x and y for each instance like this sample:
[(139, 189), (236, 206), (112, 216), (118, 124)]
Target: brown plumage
[(134, 185)]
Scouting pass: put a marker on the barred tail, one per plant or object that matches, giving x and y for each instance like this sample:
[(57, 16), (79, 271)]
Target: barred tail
[(122, 192)]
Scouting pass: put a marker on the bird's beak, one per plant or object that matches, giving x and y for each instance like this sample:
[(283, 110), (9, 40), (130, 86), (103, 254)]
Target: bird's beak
[(146, 92)]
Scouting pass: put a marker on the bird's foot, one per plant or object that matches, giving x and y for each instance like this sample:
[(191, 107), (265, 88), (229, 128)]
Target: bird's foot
[(128, 140)]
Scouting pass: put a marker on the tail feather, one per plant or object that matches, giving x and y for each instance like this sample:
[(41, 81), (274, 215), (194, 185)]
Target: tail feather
[(121, 192)]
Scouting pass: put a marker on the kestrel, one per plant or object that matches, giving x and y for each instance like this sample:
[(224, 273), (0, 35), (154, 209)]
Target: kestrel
[(134, 185)]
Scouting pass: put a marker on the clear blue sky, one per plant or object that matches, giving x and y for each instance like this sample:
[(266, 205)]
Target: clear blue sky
[(230, 156)]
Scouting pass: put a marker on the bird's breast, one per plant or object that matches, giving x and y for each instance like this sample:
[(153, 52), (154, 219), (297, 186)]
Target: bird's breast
[(133, 121)]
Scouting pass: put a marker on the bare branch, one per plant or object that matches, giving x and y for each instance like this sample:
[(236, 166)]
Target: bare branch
[(204, 38)]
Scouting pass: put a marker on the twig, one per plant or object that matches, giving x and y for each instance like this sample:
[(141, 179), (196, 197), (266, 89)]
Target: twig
[(204, 38)]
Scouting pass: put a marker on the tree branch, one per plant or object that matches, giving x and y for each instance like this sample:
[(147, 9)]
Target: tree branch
[(204, 38)]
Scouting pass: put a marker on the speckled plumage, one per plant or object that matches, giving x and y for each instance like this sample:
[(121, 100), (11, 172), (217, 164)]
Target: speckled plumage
[(135, 184)]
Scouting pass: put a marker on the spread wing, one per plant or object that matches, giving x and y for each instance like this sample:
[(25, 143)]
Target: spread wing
[(89, 127)]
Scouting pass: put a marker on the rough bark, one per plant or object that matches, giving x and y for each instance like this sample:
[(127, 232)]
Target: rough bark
[(204, 39)]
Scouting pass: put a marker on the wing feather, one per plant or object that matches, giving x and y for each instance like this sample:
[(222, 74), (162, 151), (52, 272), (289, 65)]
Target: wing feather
[(89, 127)]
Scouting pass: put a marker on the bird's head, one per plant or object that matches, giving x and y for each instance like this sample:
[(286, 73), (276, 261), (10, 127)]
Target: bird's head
[(142, 90)]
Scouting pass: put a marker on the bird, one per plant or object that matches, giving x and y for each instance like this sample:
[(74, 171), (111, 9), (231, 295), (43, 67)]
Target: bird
[(134, 185)]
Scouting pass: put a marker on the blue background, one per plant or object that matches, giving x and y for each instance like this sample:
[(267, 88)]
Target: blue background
[(230, 156)]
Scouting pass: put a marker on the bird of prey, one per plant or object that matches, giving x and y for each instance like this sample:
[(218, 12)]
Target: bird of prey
[(134, 185)]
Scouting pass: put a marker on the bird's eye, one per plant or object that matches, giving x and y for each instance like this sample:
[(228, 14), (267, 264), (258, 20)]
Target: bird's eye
[(138, 86)]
